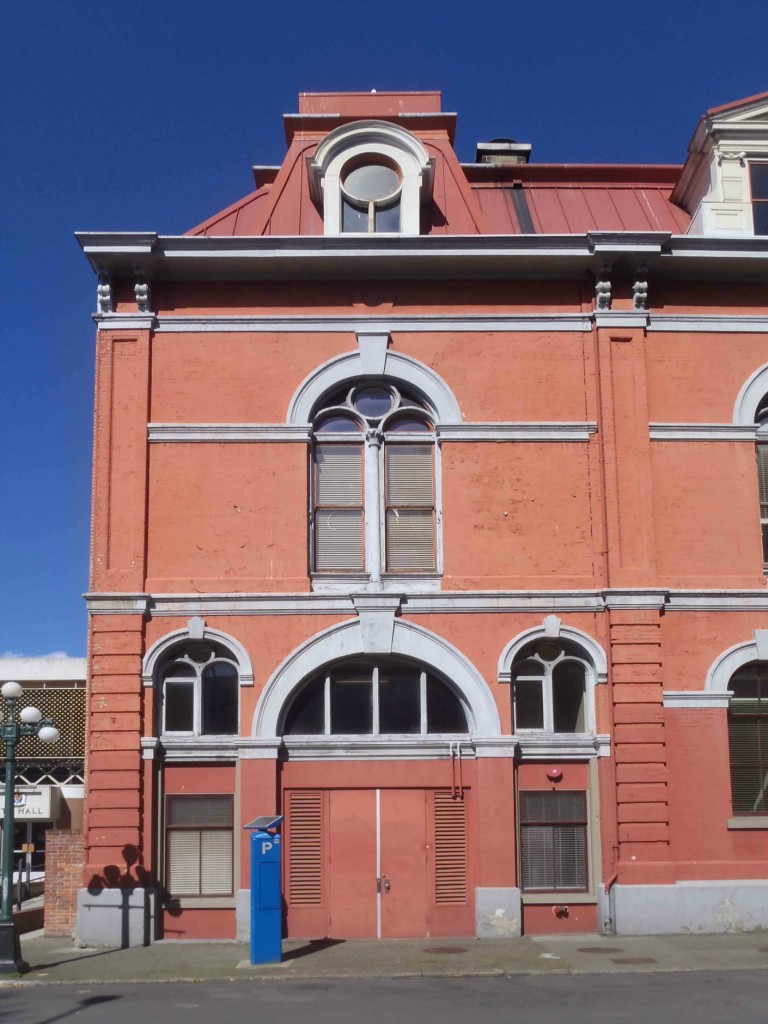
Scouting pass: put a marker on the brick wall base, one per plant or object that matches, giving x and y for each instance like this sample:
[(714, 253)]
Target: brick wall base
[(64, 859)]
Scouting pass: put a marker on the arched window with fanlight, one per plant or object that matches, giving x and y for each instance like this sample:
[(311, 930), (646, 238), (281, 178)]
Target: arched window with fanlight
[(199, 687), (374, 482), (552, 688), (375, 697), (761, 419)]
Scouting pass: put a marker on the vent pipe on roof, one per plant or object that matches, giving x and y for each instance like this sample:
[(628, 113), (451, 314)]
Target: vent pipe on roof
[(503, 151)]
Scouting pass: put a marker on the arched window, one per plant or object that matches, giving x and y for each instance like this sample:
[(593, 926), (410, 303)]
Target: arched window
[(199, 690), (367, 697), (373, 482), (761, 419), (550, 694), (371, 176), (748, 738)]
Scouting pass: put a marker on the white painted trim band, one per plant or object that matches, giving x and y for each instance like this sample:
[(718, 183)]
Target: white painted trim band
[(424, 602), (702, 432), (227, 432)]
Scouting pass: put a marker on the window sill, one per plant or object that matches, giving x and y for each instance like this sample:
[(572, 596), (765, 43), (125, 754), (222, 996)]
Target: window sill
[(542, 744), (200, 903), (758, 821), (556, 896), (404, 583)]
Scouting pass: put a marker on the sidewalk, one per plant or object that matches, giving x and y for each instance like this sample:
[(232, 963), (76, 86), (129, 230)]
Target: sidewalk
[(59, 960)]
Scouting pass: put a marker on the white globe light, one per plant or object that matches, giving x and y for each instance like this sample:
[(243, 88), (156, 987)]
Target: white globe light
[(49, 734), (11, 690), (31, 716)]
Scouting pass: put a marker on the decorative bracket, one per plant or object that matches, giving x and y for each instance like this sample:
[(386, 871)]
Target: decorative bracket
[(142, 292), (730, 154), (603, 286), (640, 287), (104, 293)]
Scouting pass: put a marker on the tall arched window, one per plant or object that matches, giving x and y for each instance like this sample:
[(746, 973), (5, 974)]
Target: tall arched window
[(550, 692), (199, 690), (375, 697), (374, 484), (748, 738), (761, 419)]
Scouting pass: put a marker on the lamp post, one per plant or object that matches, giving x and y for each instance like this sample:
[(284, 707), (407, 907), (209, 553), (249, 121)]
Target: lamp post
[(32, 724)]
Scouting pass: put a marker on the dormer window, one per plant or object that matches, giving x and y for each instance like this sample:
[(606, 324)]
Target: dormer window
[(371, 177), (370, 198)]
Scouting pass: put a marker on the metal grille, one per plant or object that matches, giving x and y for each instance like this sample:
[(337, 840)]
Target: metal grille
[(53, 773), (305, 850), (450, 849), (66, 706)]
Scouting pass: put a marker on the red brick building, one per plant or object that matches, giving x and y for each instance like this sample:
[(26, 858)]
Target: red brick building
[(427, 514)]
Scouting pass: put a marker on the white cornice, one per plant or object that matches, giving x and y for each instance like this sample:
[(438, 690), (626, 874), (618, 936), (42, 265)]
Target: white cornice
[(189, 257), (702, 432), (425, 603)]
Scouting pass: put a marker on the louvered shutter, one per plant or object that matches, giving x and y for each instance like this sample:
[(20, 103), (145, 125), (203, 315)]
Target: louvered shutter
[(762, 479), (305, 848), (339, 516), (450, 849), (748, 740), (410, 511)]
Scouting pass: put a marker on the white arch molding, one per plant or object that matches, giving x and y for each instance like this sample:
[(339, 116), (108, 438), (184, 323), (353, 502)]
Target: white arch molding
[(753, 390), (165, 645), (395, 367), (722, 668), (408, 641), (591, 648)]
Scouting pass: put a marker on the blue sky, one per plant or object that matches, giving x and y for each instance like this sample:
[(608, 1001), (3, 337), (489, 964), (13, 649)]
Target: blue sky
[(149, 115)]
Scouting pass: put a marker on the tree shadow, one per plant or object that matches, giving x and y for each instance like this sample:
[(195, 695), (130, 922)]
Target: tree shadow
[(127, 880)]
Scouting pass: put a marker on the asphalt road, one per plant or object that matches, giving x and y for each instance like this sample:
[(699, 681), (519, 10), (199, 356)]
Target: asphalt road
[(733, 997)]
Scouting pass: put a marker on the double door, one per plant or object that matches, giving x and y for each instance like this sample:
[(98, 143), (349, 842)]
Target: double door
[(377, 863)]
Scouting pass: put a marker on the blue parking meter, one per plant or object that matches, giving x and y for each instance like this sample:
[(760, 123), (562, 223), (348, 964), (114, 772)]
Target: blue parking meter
[(266, 891)]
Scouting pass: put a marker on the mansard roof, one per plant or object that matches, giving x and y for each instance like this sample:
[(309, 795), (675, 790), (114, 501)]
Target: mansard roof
[(486, 198)]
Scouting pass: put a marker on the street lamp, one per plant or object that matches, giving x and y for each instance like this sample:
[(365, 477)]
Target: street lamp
[(32, 724)]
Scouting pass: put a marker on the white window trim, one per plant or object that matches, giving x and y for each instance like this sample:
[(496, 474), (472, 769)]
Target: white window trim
[(374, 572), (198, 630), (371, 139), (752, 392), (196, 683), (545, 742), (408, 640)]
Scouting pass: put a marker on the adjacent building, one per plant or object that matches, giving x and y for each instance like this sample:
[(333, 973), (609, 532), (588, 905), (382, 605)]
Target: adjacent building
[(431, 512)]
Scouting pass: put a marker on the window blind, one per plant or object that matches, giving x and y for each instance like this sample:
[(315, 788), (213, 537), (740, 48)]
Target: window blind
[(553, 838), (339, 517), (410, 518)]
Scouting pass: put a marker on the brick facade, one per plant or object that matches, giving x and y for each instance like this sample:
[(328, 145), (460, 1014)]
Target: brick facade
[(64, 858)]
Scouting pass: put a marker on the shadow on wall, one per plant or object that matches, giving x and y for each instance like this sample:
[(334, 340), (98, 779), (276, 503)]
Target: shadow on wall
[(134, 884)]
